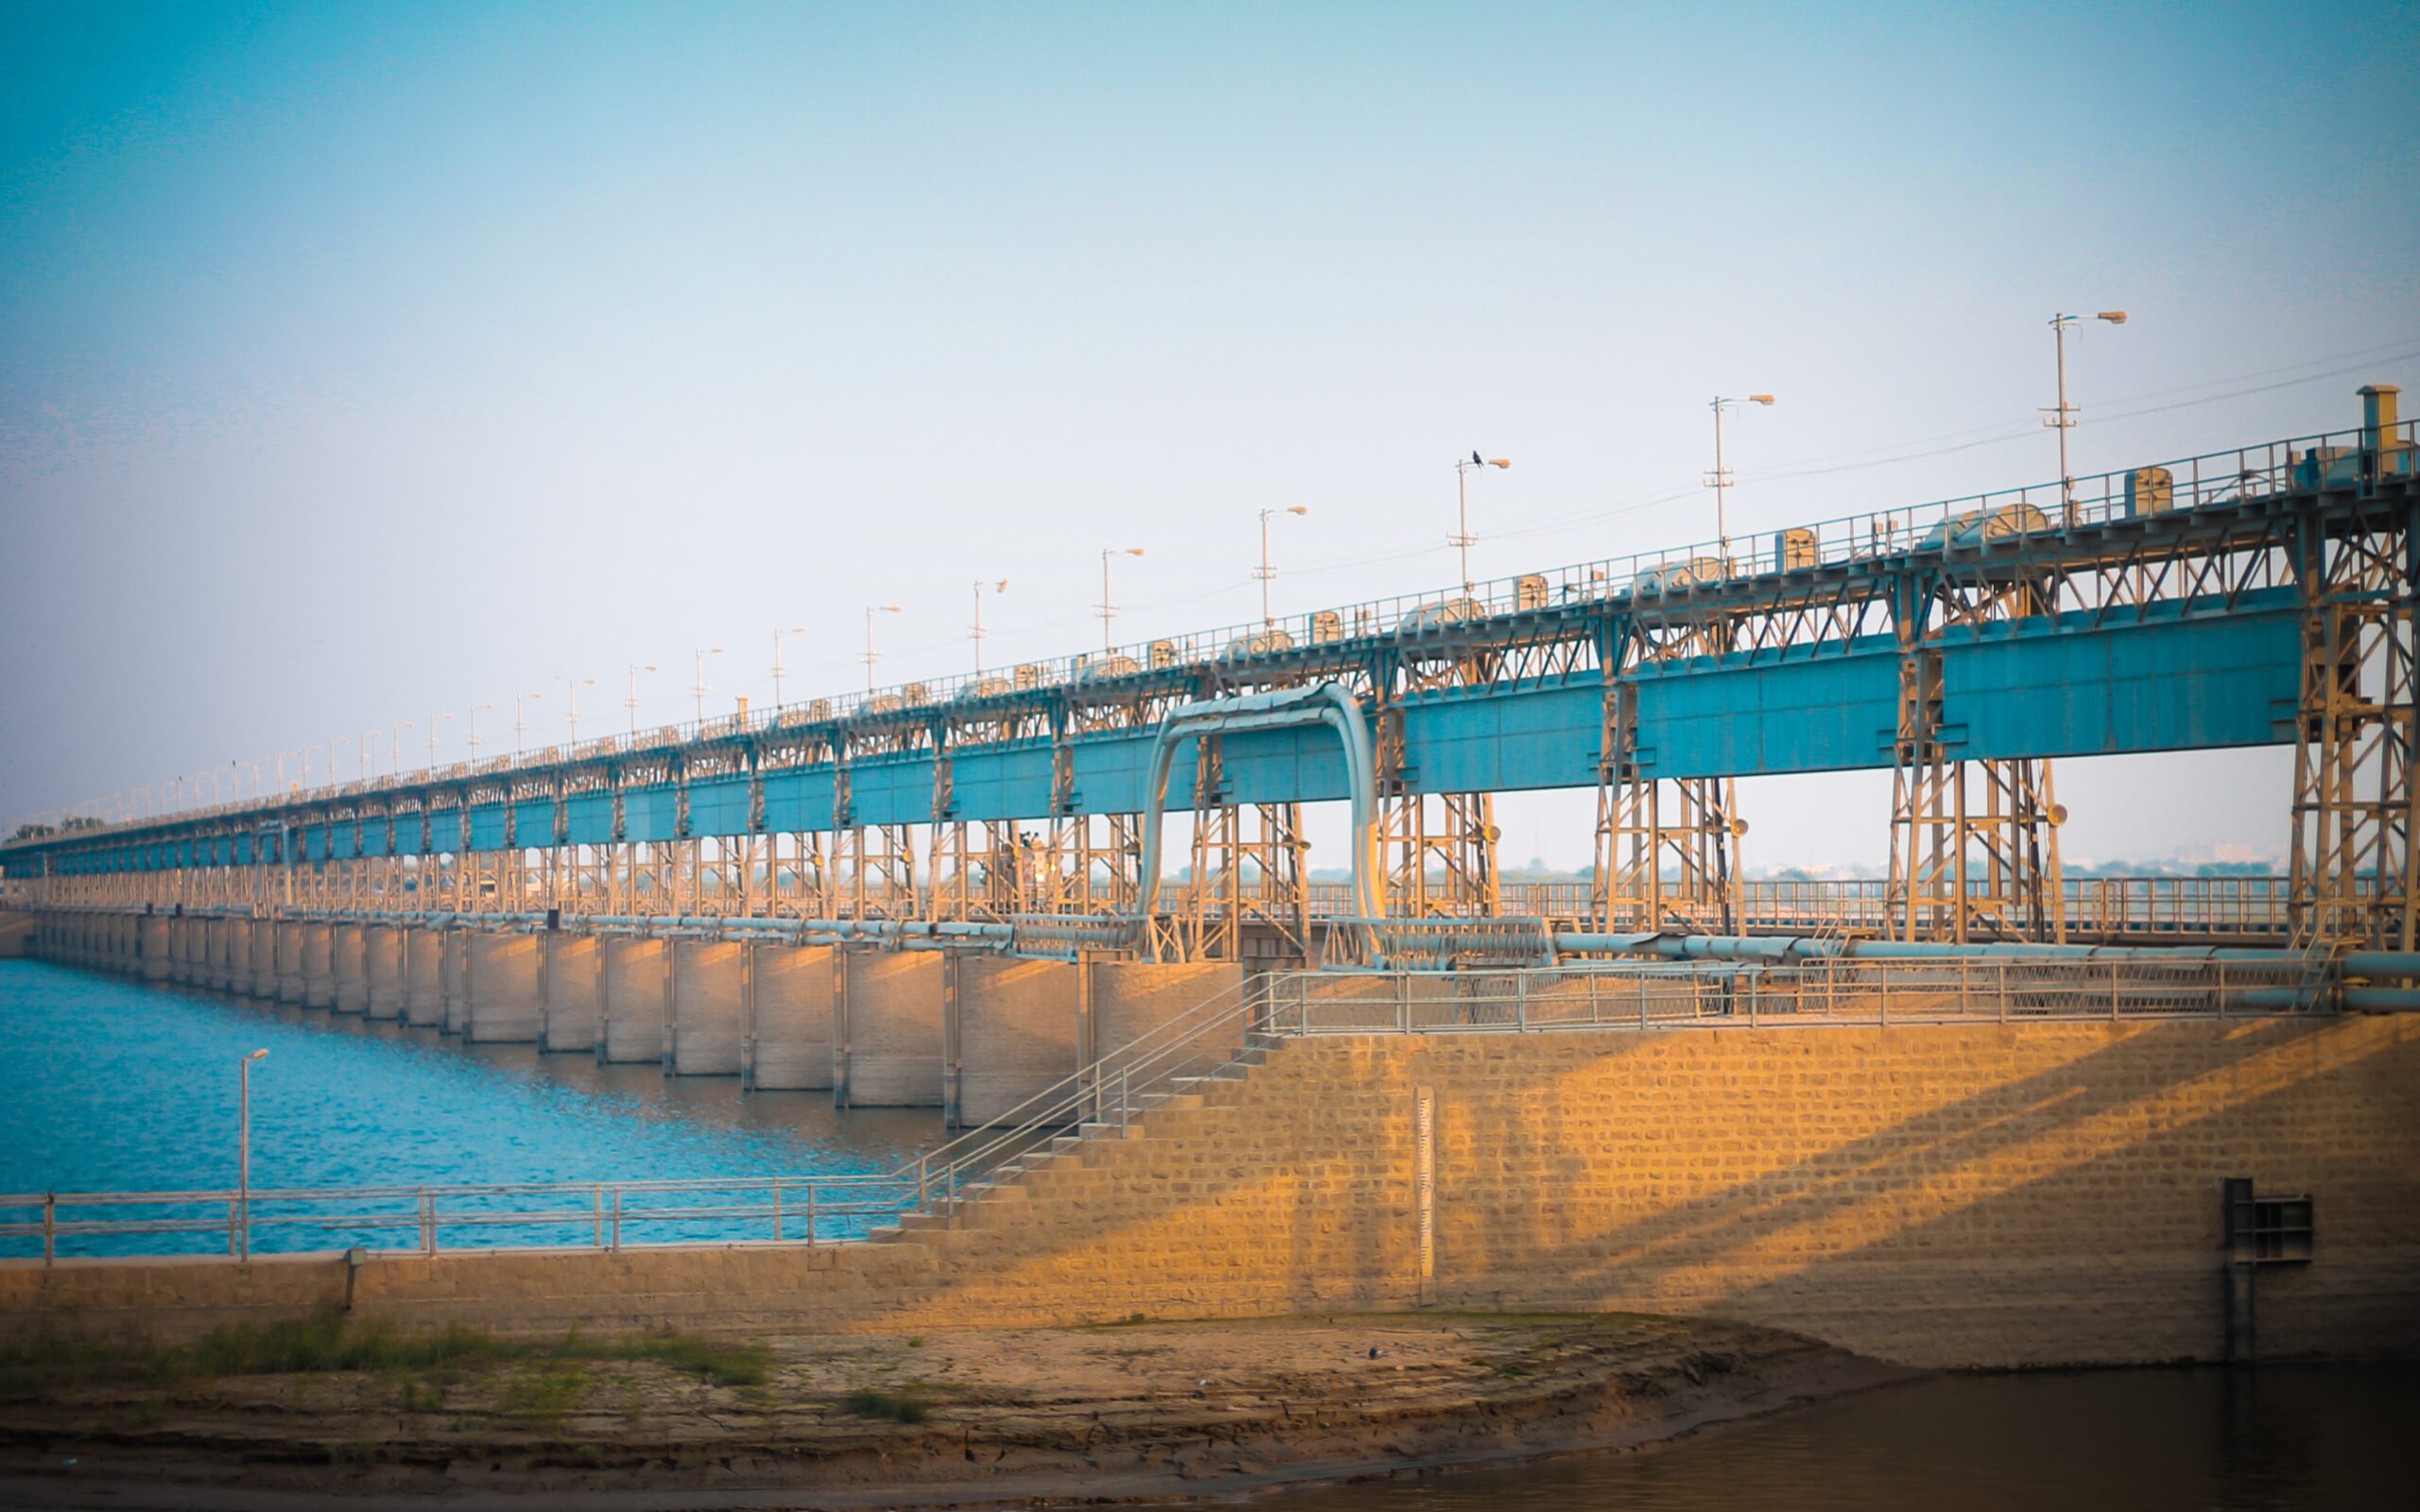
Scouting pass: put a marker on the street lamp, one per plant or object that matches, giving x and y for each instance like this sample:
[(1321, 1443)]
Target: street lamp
[(1462, 538), (1108, 605), (434, 720), (778, 633), (1720, 479), (872, 656), (1000, 587), (395, 748), (521, 719), (1266, 573), (631, 702), (2063, 419), (471, 730), (571, 703), (699, 658), (244, 1154)]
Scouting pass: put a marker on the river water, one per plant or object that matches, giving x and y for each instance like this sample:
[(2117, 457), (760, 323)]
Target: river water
[(110, 1085), (2315, 1437)]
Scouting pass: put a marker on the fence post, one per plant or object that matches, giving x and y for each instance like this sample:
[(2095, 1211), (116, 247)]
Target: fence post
[(428, 1222), (2113, 992), (618, 1220), (810, 1212), (777, 1210), (49, 1227), (1521, 999)]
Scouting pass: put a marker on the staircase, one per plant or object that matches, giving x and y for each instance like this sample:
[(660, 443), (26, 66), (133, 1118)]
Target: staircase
[(1166, 1070)]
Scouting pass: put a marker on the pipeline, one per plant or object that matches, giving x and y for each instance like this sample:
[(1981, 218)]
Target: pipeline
[(1327, 703)]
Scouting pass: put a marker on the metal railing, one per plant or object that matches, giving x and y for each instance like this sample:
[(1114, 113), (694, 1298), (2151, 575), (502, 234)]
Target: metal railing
[(614, 1215), (2097, 905), (2342, 459), (1823, 992), (607, 1216)]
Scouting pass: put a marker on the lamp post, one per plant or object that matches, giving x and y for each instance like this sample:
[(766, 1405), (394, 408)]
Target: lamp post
[(395, 748), (369, 755), (1108, 605), (872, 655), (778, 633), (631, 702), (521, 720), (701, 689), (1461, 538), (571, 705), (434, 720), (1720, 479), (2063, 419), (1266, 573), (470, 729), (980, 584), (244, 1154)]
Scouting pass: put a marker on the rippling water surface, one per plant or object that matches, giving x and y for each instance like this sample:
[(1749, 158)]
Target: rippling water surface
[(2320, 1437), (110, 1085)]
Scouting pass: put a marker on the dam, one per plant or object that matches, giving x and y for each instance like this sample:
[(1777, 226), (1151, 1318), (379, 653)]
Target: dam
[(1980, 1114)]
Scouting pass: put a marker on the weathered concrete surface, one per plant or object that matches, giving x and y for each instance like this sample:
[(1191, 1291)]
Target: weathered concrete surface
[(706, 1028), (347, 957), (501, 982), (382, 970), (425, 978), (634, 989), (288, 935), (890, 1030), (319, 966), (1019, 1033), (791, 1045), (1134, 999), (574, 997), (454, 979)]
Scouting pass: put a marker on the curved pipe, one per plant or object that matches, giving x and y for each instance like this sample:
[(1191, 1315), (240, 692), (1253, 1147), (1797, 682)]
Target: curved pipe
[(1324, 703)]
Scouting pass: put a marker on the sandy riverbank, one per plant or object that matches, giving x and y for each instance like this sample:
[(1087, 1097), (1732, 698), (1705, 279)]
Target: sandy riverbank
[(1142, 1412)]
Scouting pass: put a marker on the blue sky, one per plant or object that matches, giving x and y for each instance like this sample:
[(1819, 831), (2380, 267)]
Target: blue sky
[(358, 362)]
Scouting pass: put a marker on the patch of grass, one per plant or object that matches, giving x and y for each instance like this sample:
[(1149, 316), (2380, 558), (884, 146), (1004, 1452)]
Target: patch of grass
[(547, 1392), (915, 1341), (725, 1365), (42, 1370), (327, 1342), (867, 1402)]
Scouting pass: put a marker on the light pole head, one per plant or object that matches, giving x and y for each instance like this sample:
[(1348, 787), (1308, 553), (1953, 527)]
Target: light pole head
[(2113, 316), (1761, 399), (257, 1054), (1300, 508), (1499, 461), (882, 609), (1133, 551)]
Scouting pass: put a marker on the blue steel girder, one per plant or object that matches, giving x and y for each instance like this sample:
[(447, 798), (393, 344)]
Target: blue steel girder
[(2157, 631)]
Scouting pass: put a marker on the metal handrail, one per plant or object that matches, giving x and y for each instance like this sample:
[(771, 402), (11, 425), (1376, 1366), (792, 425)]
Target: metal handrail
[(2291, 464)]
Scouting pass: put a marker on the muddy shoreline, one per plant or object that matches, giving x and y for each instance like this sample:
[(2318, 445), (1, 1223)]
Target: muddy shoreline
[(1135, 1413)]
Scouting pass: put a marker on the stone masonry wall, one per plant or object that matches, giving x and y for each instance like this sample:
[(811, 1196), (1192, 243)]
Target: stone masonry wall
[(1968, 1196)]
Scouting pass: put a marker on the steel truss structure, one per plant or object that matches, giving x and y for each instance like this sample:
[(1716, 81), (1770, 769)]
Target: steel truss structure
[(2257, 596)]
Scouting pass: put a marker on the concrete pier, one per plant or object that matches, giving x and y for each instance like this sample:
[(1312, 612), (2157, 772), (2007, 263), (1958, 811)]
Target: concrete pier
[(789, 1039), (180, 946), (572, 990), (382, 970), (425, 978), (288, 961), (1130, 999), (889, 1030), (453, 979), (635, 999), (348, 965), (319, 966), (1019, 1031), (265, 961), (500, 983), (707, 978)]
